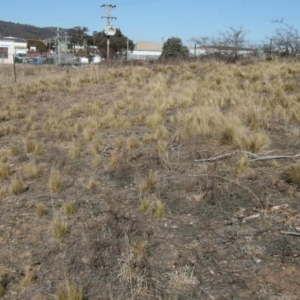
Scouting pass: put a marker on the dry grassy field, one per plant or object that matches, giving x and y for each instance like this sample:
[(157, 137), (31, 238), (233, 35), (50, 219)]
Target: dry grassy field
[(163, 181)]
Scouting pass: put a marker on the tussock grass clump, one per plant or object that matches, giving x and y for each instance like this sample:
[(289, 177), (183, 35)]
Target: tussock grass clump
[(69, 208), (96, 146), (92, 184), (2, 290), (4, 159), (150, 181), (40, 210), (156, 208), (17, 185), (3, 191), (139, 248), (228, 135), (292, 174), (255, 141), (161, 132), (14, 150), (114, 159), (162, 146), (4, 171), (148, 139), (154, 120), (145, 206), (159, 209), (119, 142), (29, 145), (76, 148), (55, 182), (32, 171), (39, 149), (75, 152), (97, 161), (28, 280), (242, 164), (60, 228), (133, 143), (70, 291), (183, 278)]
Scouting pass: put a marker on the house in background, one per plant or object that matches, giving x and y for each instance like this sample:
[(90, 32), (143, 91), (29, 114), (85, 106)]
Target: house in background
[(10, 47), (145, 51)]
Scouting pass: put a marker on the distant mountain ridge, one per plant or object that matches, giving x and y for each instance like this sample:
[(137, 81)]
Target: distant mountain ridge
[(26, 31)]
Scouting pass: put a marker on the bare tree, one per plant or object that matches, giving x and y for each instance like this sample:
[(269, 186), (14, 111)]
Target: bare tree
[(233, 39), (227, 43), (286, 39)]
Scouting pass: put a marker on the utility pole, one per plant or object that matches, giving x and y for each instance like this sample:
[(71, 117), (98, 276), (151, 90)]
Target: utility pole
[(57, 46), (108, 17), (127, 49)]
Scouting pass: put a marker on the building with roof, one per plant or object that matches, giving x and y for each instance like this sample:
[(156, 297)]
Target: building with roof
[(145, 51), (9, 47)]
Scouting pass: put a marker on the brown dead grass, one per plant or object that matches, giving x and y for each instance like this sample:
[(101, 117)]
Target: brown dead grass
[(157, 217)]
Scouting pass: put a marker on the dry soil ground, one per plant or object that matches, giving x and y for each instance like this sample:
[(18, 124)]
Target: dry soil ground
[(155, 211)]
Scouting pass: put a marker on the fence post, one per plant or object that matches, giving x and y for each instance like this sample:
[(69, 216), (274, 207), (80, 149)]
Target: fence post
[(15, 75)]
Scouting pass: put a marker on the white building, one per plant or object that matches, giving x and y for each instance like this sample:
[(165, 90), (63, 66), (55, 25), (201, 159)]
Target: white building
[(145, 51), (9, 46)]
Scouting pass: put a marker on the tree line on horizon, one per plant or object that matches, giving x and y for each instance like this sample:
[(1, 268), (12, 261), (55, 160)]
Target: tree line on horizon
[(285, 40)]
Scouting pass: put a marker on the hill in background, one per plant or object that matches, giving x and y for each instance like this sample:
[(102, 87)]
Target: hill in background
[(25, 31)]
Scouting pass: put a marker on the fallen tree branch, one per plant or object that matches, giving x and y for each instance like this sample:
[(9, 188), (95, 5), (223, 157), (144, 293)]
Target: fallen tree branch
[(290, 233), (216, 157), (275, 157), (255, 156)]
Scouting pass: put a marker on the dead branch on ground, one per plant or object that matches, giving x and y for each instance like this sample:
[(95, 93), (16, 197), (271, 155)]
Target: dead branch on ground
[(254, 156)]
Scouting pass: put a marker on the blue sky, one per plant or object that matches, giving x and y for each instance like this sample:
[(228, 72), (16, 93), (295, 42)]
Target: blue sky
[(158, 20)]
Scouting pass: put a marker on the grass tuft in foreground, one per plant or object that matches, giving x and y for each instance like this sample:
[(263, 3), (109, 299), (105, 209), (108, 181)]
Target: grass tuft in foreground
[(17, 185), (60, 228), (150, 181), (4, 171), (292, 174), (70, 291), (55, 181), (40, 210), (28, 280)]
